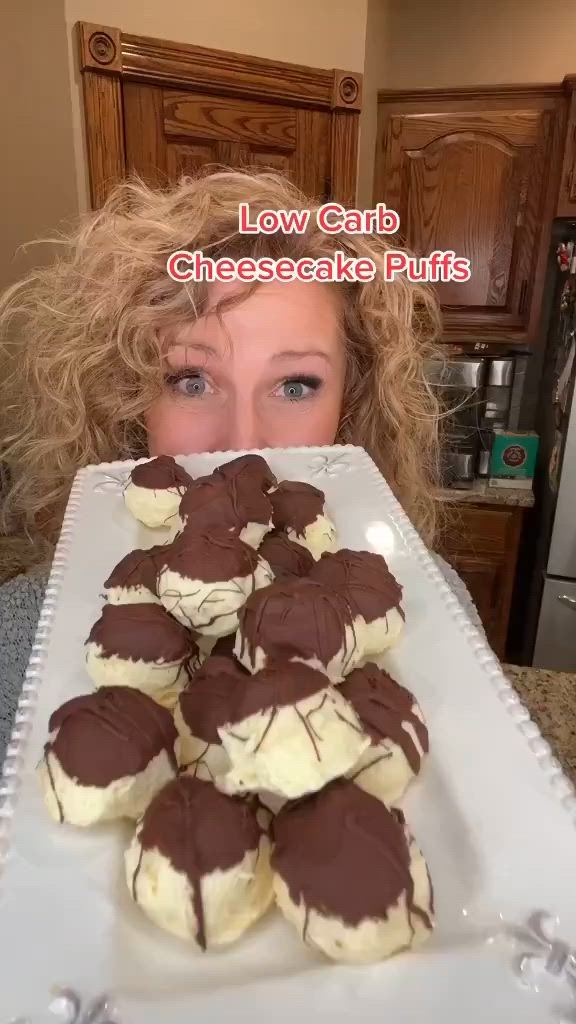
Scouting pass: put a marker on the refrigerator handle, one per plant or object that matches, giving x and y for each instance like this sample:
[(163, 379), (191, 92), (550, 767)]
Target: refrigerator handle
[(567, 600)]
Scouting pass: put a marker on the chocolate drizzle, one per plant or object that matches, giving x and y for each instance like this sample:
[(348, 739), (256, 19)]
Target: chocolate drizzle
[(161, 474), (345, 854), (287, 560), (363, 578), (248, 469), (296, 505), (383, 707), (199, 830), (111, 734), (299, 619), (206, 702), (138, 568), (211, 559), (53, 784), (215, 503), (277, 686), (142, 632)]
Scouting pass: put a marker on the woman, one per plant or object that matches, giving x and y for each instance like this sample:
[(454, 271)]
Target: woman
[(110, 358)]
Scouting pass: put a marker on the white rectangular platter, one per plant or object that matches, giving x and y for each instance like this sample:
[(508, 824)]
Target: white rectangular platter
[(492, 812)]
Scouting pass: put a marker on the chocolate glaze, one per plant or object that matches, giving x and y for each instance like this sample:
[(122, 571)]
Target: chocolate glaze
[(382, 705), (142, 632), (277, 686), (108, 735), (215, 503), (224, 648), (162, 473), (345, 854), (363, 578), (280, 684), (288, 561), (138, 568), (199, 830), (296, 619), (296, 505), (251, 469), (212, 559), (206, 703)]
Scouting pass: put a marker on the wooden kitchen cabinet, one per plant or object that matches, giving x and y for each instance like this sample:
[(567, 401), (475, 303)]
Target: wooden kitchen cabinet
[(481, 543), (161, 109), (567, 192), (476, 171)]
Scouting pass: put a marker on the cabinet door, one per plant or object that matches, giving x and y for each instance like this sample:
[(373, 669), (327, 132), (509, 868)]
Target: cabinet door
[(163, 109), (474, 176), (170, 132), (481, 544)]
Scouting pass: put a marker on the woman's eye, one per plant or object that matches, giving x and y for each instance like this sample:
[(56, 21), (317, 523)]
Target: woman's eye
[(296, 389), (191, 385)]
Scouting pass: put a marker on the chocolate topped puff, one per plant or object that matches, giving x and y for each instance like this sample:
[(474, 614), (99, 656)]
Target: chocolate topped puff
[(107, 755), (133, 580), (288, 561), (251, 470), (288, 732), (373, 593), (199, 864), (218, 504), (142, 646), (204, 580), (155, 489), (203, 707), (298, 510), (392, 718), (299, 621), (349, 875)]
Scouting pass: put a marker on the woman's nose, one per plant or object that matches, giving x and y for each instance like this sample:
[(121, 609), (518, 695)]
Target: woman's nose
[(244, 427)]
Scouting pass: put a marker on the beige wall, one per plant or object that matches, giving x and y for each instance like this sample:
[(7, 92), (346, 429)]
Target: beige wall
[(377, 29), (37, 171), (321, 33), (434, 43)]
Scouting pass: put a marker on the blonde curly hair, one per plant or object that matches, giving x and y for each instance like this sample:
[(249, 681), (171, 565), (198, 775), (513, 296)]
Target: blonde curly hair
[(83, 360)]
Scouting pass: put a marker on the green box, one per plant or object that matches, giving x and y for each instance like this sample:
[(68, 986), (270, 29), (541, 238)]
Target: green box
[(513, 458)]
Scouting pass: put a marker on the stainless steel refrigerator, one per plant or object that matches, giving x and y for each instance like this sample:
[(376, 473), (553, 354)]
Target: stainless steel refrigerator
[(553, 583)]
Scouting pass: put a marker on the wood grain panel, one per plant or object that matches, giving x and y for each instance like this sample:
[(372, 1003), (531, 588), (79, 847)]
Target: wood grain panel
[(189, 159), (476, 178), (224, 73), (311, 160), (344, 162), (482, 545), (232, 120), (146, 152), (187, 106), (104, 113)]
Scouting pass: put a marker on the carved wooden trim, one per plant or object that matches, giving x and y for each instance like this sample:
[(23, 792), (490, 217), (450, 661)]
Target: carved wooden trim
[(109, 58), (347, 91), (104, 120), (100, 48), (471, 92), (344, 157)]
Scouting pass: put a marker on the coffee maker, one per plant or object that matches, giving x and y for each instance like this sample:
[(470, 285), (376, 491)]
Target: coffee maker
[(475, 397)]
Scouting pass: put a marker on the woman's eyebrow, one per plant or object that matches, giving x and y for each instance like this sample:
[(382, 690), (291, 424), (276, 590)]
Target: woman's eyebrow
[(300, 354)]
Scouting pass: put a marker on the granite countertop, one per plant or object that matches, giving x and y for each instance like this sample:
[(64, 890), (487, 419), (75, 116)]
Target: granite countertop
[(551, 700), (481, 494)]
